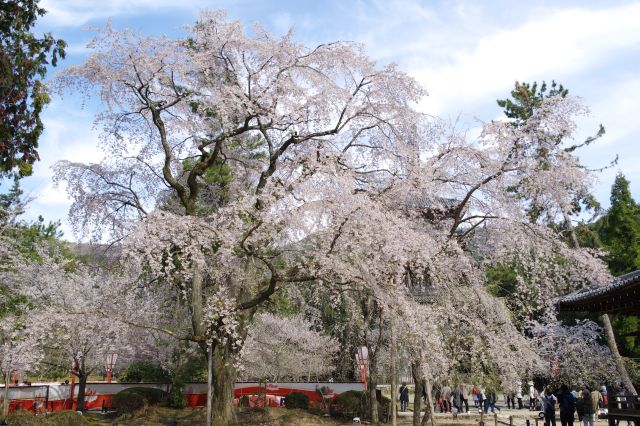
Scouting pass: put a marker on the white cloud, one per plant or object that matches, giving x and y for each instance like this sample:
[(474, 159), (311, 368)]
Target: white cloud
[(561, 43), (616, 107), (80, 12)]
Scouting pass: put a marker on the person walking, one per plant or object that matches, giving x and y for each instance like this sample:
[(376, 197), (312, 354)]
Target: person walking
[(605, 396), (596, 400), (438, 397), (481, 398), (404, 397), (567, 406), (549, 401), (457, 399), (533, 393), (585, 408), (490, 401), (464, 397), (474, 393), (519, 395), (446, 398), (510, 396)]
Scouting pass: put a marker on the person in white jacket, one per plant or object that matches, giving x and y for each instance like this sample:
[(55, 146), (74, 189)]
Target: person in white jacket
[(519, 395)]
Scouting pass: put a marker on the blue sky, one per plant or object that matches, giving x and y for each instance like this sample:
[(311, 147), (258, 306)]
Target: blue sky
[(465, 53)]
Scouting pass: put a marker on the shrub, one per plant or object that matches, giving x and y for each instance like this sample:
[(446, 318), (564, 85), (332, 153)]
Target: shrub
[(176, 397), (243, 401), (152, 395), (296, 400), (144, 371), (132, 399), (349, 404), (126, 402), (352, 404)]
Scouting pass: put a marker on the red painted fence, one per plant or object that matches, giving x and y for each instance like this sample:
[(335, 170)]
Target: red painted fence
[(43, 397)]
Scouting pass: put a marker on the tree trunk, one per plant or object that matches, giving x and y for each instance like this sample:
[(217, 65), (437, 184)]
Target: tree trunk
[(197, 303), (82, 385), (209, 385), (428, 409), (394, 380), (5, 399), (417, 397), (622, 369), (372, 384), (222, 375), (572, 231)]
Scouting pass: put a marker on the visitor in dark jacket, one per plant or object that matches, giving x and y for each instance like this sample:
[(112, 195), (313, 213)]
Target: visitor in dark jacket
[(404, 397), (567, 406), (549, 405), (490, 401), (585, 409)]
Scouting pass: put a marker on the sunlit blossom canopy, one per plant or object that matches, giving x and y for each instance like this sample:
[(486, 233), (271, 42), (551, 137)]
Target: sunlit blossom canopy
[(622, 296)]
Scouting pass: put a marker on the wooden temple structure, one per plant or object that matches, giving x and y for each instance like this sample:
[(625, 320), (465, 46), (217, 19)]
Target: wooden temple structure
[(622, 296)]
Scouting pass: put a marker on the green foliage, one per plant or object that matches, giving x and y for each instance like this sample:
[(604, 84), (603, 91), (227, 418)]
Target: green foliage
[(11, 303), (177, 398), (501, 282), (501, 279), (627, 329), (128, 402), (526, 98), (11, 202), (619, 229), (633, 367), (618, 232), (352, 404), (280, 303), (27, 237), (297, 400), (132, 399), (23, 63), (144, 371), (588, 236), (194, 369), (152, 395)]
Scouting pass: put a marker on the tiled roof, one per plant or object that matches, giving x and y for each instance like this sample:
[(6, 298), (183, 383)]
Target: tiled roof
[(618, 282), (621, 296)]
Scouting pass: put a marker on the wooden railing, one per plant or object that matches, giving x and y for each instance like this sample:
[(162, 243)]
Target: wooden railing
[(624, 407)]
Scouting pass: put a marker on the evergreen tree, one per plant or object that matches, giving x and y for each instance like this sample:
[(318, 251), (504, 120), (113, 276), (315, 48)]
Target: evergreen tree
[(619, 233), (23, 63), (526, 98), (619, 229)]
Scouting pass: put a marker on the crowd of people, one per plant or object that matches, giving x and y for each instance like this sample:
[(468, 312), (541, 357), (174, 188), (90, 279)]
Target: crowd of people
[(584, 403), (458, 398), (569, 401)]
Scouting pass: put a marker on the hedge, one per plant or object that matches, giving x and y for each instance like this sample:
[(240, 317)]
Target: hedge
[(132, 399), (352, 404), (296, 400)]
